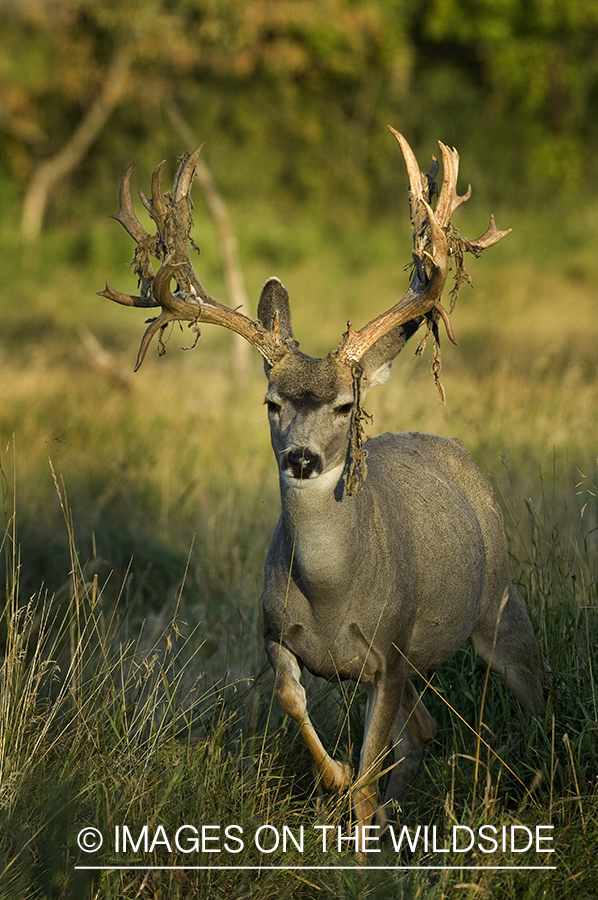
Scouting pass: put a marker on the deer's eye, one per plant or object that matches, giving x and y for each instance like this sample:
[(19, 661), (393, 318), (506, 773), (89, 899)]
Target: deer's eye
[(343, 410), (272, 406)]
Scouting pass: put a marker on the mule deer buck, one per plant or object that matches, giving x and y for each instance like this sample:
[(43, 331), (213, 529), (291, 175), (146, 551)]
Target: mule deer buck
[(388, 556)]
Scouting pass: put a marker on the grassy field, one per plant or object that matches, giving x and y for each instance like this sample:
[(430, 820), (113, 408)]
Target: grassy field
[(137, 514)]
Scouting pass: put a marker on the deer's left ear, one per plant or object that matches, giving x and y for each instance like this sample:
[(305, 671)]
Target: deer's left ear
[(376, 361), (374, 375)]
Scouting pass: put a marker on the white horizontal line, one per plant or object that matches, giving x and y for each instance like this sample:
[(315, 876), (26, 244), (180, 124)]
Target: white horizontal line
[(308, 868)]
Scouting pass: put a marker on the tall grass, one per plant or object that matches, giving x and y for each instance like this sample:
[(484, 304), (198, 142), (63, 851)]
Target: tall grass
[(134, 687)]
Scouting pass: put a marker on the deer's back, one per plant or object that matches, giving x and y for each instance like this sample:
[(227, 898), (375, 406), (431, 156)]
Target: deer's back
[(411, 459)]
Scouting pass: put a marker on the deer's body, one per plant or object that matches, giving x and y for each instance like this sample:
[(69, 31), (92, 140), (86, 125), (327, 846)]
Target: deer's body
[(386, 558), (386, 582), (417, 576)]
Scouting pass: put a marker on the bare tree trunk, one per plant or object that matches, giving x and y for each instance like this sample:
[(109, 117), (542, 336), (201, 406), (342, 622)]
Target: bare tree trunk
[(103, 361), (233, 274), (51, 171)]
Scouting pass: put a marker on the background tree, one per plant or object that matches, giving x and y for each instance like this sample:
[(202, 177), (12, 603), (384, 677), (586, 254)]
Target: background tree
[(534, 65), (303, 84), (290, 76)]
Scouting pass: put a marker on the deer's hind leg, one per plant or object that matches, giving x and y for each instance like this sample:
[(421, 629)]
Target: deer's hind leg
[(395, 713), (503, 638), (290, 693), (414, 729)]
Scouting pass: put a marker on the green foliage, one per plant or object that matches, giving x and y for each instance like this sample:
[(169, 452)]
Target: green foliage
[(539, 71), (307, 87)]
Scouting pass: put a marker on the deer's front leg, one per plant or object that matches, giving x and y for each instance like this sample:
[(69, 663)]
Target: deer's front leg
[(290, 693)]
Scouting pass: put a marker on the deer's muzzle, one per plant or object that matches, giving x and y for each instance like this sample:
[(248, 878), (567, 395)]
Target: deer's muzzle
[(301, 463)]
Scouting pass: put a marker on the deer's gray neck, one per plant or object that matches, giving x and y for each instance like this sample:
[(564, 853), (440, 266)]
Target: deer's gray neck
[(322, 533)]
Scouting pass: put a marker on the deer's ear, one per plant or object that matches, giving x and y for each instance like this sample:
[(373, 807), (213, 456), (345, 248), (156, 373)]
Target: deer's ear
[(376, 375), (275, 299), (376, 361)]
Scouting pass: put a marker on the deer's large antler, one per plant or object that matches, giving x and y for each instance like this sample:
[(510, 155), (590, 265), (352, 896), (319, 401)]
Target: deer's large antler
[(434, 239), (190, 301)]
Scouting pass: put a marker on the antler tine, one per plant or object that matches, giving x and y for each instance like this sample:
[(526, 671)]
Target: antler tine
[(183, 308), (156, 325), (491, 236), (184, 178), (449, 200), (126, 299), (147, 203), (413, 170), (126, 214), (156, 205)]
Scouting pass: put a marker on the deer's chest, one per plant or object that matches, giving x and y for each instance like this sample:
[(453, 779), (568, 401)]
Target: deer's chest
[(337, 652)]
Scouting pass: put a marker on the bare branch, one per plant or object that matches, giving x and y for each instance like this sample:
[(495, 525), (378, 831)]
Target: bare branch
[(53, 170)]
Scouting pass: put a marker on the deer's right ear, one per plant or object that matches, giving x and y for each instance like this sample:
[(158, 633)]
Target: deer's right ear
[(275, 298)]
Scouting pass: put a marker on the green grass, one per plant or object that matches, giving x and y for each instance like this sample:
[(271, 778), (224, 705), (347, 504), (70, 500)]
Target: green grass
[(133, 686)]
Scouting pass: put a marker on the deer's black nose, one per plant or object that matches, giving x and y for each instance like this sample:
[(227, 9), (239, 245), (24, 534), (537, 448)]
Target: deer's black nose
[(300, 462)]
